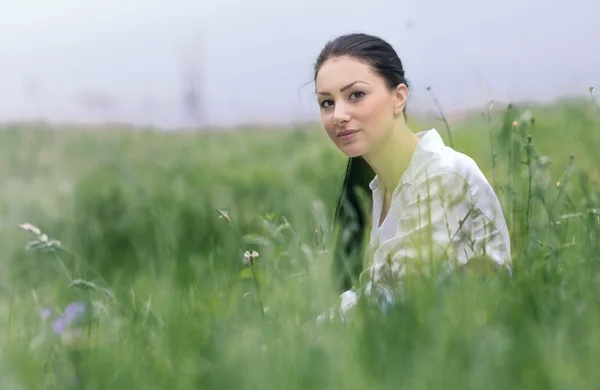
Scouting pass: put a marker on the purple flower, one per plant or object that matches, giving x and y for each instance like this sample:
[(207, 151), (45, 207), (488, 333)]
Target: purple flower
[(73, 314), (75, 310), (45, 313), (60, 325)]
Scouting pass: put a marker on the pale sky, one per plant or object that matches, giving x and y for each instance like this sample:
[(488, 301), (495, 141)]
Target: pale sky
[(255, 57)]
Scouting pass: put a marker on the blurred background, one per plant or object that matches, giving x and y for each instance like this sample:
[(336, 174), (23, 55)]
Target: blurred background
[(155, 226), (190, 63)]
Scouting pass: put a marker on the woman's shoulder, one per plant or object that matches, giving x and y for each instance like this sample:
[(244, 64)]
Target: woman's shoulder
[(457, 184), (434, 160), (456, 179), (452, 167)]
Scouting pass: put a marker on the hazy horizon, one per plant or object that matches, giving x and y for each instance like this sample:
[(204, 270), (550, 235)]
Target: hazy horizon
[(128, 60)]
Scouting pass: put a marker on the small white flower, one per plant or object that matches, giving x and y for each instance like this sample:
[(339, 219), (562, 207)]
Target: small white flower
[(249, 257)]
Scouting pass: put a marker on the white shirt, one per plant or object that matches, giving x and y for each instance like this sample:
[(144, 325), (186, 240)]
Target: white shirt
[(464, 219)]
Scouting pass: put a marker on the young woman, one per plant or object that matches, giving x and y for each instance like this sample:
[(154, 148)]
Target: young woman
[(429, 202)]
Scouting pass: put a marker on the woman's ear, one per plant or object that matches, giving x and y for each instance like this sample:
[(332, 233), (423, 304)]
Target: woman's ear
[(400, 98)]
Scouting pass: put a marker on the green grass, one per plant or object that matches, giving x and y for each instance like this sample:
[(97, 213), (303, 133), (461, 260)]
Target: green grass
[(137, 213)]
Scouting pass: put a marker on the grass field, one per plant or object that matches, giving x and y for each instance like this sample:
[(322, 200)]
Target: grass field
[(172, 305)]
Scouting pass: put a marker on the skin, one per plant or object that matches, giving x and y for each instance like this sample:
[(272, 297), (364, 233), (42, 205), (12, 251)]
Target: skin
[(352, 96)]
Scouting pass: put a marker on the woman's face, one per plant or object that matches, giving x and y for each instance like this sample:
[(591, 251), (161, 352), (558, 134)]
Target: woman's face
[(358, 110)]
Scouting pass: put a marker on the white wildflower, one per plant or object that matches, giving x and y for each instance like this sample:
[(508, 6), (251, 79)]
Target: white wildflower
[(249, 257)]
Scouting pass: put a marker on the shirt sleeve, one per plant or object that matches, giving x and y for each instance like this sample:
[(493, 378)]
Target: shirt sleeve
[(434, 212)]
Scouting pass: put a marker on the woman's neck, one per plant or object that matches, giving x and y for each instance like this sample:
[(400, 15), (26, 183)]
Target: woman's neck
[(392, 158)]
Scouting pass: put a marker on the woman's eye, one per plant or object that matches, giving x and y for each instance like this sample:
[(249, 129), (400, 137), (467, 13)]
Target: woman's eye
[(356, 95), (325, 103)]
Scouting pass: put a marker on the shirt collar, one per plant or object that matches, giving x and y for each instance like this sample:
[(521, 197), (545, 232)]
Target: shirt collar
[(430, 143)]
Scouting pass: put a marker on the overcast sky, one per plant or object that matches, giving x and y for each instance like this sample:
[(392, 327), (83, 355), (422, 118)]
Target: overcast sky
[(84, 60)]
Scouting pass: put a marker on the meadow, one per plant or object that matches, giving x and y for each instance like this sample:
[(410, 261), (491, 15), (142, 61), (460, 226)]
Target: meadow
[(151, 230)]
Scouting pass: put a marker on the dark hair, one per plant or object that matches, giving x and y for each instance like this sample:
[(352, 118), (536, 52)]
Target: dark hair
[(350, 217)]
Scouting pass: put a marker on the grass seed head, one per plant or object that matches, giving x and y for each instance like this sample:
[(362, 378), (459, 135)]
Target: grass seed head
[(31, 229), (223, 215)]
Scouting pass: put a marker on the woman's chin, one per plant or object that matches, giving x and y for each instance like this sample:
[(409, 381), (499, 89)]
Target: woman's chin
[(352, 150)]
